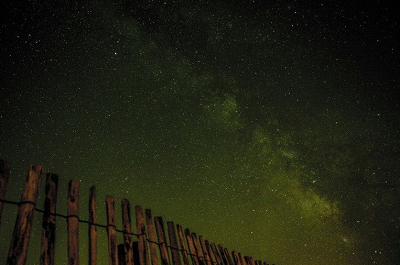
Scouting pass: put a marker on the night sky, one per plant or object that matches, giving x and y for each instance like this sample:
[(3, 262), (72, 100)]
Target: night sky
[(271, 127)]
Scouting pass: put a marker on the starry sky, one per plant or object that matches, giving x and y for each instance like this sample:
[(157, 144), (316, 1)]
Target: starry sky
[(271, 127)]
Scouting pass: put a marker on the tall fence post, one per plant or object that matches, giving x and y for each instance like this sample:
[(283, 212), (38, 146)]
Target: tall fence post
[(111, 230), (210, 253), (23, 225), (92, 227), (183, 245), (174, 244), (192, 250), (142, 239), (4, 176), (127, 230), (49, 221), (205, 250), (151, 237), (162, 240), (73, 222)]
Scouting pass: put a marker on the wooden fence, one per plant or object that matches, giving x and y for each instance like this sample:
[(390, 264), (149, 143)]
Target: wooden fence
[(145, 249)]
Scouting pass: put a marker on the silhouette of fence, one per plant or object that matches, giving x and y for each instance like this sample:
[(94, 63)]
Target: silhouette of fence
[(174, 250)]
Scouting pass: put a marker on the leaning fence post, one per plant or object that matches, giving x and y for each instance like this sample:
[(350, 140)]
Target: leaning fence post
[(111, 230), (151, 237), (73, 222), (210, 253), (92, 227), (23, 225), (142, 239), (192, 250), (242, 260), (183, 245), (127, 230), (205, 250), (216, 254), (4, 175), (174, 244), (49, 221), (199, 252), (161, 240)]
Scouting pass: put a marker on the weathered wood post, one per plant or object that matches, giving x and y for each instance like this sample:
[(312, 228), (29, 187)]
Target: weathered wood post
[(216, 254), (23, 225), (142, 239), (197, 248), (192, 250), (174, 244), (92, 227), (161, 240), (111, 230), (183, 245), (49, 221), (211, 253), (242, 259), (151, 237), (127, 230), (73, 222), (4, 176), (205, 250)]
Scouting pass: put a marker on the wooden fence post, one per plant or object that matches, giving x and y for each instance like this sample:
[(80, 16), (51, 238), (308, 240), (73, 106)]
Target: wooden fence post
[(199, 253), (92, 227), (73, 222), (111, 230), (142, 239), (49, 221), (183, 245), (4, 176), (151, 237), (192, 250), (174, 244), (242, 260), (127, 230), (216, 254), (210, 253), (205, 250), (23, 225), (236, 258), (162, 240)]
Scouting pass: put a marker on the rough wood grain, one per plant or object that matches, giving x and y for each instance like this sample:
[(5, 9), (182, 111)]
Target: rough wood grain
[(183, 245), (176, 260), (92, 227), (111, 230), (162, 242), (5, 168), (211, 253), (216, 254), (151, 237), (23, 225), (73, 222), (127, 230), (205, 250), (198, 250), (192, 250), (142, 237), (49, 221)]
